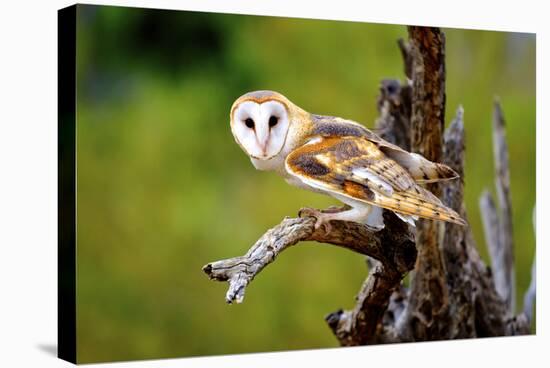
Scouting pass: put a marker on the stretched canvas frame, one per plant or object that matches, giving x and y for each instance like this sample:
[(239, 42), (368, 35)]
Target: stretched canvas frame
[(392, 253)]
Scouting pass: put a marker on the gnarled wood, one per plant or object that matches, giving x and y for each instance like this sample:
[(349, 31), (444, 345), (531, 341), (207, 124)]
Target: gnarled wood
[(393, 247), (427, 311), (460, 280)]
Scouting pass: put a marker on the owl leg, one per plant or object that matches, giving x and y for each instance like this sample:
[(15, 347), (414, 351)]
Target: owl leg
[(375, 219), (363, 214)]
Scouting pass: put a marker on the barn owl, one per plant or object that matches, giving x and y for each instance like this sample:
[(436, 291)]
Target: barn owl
[(340, 158)]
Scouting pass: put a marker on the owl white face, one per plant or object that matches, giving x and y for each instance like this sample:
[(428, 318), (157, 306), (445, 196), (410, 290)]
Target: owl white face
[(260, 128)]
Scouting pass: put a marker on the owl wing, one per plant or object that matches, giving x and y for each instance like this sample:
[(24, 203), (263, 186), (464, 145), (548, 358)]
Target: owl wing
[(356, 168), (419, 168)]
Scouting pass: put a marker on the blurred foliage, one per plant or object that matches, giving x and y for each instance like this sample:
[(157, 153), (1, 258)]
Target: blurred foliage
[(163, 189)]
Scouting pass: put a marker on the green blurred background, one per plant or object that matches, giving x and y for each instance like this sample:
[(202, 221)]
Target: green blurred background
[(163, 189)]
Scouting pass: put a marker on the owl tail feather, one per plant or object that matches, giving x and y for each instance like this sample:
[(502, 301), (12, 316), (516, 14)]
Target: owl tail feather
[(431, 172)]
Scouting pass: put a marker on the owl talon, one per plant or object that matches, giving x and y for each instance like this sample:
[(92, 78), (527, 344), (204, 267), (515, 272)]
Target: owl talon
[(324, 223), (308, 212), (321, 219)]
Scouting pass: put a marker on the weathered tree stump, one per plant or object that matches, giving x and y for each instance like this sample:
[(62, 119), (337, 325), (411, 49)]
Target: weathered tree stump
[(452, 293)]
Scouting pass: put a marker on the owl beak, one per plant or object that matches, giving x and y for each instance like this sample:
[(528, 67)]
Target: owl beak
[(263, 147), (262, 139)]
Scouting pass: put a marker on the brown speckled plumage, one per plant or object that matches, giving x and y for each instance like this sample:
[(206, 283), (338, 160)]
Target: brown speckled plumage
[(345, 154)]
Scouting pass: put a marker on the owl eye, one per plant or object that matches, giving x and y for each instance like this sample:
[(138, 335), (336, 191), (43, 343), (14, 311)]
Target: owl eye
[(273, 120), (249, 123)]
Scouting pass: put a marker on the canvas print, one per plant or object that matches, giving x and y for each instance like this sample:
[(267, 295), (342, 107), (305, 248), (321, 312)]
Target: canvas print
[(234, 183)]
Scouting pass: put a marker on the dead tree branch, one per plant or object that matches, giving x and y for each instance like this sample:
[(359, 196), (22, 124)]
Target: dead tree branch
[(460, 280), (505, 279), (491, 224), (393, 247), (240, 271), (498, 224)]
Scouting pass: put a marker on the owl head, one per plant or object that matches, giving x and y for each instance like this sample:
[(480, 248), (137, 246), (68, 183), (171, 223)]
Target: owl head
[(260, 123)]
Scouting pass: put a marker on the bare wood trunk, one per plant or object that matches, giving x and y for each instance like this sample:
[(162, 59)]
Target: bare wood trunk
[(427, 311)]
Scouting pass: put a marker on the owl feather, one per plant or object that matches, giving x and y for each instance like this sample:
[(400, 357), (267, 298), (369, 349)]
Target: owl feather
[(340, 158)]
